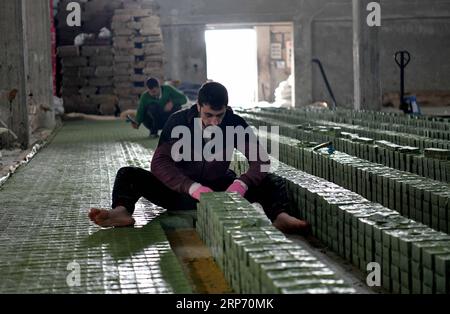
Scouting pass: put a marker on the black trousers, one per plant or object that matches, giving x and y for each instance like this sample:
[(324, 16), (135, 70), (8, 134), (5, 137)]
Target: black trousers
[(155, 117), (132, 183)]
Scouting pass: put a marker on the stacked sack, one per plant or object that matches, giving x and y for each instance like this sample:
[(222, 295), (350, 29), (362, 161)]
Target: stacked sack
[(138, 51), (87, 84)]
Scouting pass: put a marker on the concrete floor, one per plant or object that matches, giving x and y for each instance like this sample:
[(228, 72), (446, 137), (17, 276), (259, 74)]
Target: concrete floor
[(44, 225)]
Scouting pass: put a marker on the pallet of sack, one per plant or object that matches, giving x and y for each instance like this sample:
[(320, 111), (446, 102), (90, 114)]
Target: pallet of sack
[(87, 84), (138, 51), (413, 258)]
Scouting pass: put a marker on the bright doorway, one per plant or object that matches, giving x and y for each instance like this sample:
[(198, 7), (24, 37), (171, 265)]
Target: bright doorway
[(232, 61)]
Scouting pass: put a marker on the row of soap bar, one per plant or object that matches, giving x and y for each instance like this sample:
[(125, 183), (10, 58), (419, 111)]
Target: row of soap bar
[(254, 256), (404, 158), (433, 127), (413, 258), (421, 199), (408, 139)]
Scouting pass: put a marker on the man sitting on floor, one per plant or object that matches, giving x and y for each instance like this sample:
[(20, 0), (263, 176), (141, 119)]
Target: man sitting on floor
[(177, 179)]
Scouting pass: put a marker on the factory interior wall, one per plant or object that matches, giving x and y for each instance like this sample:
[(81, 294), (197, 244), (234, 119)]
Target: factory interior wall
[(273, 54), (416, 26), (274, 58), (184, 24), (410, 26)]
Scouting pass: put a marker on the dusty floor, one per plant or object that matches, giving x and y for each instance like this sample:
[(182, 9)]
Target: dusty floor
[(11, 159)]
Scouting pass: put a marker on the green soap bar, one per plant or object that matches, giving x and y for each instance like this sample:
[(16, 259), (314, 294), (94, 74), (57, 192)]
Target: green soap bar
[(386, 282), (417, 247), (278, 258), (256, 263), (303, 290), (428, 255), (395, 288), (401, 237), (269, 254), (307, 282), (288, 245), (428, 277), (301, 272), (239, 246), (442, 265), (342, 290), (442, 284), (437, 153), (405, 290), (409, 150), (416, 286), (364, 140), (405, 279), (395, 273), (429, 235), (381, 222), (395, 258), (291, 265)]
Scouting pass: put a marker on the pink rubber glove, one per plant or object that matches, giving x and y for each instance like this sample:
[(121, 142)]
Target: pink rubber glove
[(238, 186), (196, 189)]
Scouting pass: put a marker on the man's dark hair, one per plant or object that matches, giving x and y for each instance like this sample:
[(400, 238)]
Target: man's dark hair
[(152, 83), (213, 94)]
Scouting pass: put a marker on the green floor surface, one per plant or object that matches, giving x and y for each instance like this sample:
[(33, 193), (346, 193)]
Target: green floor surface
[(48, 244)]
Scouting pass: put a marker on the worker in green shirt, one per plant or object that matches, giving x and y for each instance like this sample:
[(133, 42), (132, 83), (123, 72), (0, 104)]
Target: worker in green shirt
[(156, 105)]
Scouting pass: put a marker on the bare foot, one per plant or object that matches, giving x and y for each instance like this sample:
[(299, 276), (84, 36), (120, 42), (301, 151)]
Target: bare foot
[(93, 213), (117, 217), (288, 224)]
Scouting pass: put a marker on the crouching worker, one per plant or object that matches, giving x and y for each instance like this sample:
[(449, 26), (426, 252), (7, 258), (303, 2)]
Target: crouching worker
[(156, 105), (182, 167)]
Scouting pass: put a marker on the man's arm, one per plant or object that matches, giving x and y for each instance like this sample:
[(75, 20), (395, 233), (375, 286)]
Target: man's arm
[(177, 97), (163, 166), (140, 111), (255, 173)]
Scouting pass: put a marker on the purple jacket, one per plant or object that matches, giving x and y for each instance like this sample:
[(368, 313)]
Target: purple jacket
[(180, 175)]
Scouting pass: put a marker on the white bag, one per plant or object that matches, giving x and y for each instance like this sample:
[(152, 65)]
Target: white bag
[(104, 33)]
